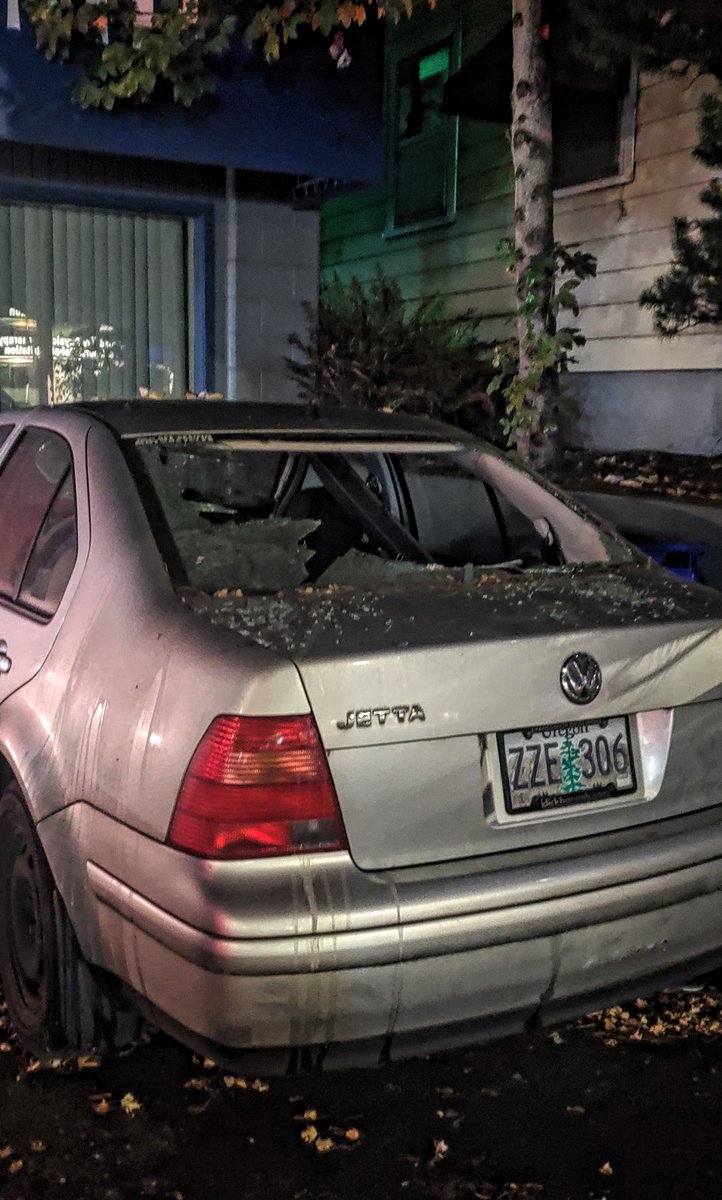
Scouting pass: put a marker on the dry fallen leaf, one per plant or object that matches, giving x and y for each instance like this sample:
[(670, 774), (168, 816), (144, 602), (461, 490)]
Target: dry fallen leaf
[(37, 1146), (87, 1063), (130, 1105), (6, 1152), (101, 1108), (323, 1145), (441, 1149), (310, 1114), (259, 1086), (196, 1084), (352, 1134), (309, 1134), (576, 1110), (15, 1166), (606, 1169)]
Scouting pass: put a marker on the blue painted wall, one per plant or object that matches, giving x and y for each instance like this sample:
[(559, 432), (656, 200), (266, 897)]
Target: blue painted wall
[(301, 116)]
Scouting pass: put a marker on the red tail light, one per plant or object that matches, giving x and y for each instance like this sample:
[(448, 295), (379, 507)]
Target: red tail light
[(257, 787)]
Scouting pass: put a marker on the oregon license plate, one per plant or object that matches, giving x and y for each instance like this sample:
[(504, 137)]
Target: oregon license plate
[(553, 766)]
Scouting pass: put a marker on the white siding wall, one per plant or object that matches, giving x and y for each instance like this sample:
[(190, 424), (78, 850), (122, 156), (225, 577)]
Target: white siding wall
[(628, 228)]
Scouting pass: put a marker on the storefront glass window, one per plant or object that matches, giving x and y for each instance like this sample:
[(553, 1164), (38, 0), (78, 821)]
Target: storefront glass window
[(92, 303)]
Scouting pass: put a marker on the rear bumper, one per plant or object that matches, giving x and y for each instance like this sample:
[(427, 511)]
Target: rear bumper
[(396, 990)]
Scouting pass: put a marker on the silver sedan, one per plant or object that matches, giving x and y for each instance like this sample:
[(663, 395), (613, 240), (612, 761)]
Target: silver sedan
[(335, 738)]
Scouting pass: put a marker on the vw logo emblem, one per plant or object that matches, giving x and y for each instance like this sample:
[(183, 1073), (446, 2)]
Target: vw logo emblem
[(581, 678)]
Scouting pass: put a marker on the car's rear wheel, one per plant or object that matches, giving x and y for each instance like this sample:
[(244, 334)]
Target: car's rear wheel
[(59, 1005)]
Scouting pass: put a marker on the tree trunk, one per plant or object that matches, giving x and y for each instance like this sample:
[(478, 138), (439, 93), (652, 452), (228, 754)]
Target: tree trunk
[(531, 139)]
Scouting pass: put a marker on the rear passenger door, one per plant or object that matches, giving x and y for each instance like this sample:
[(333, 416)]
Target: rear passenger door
[(38, 550)]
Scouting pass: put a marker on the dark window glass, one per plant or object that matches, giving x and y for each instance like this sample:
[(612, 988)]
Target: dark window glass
[(423, 148), (588, 112), (53, 557), (5, 433), (28, 485)]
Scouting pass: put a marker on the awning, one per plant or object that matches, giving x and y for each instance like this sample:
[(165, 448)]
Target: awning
[(301, 116)]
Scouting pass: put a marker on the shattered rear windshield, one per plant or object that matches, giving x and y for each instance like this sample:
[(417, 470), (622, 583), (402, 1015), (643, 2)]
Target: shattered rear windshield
[(229, 514)]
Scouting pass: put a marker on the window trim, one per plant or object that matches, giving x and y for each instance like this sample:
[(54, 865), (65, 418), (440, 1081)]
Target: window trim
[(627, 146), (404, 49), (200, 242)]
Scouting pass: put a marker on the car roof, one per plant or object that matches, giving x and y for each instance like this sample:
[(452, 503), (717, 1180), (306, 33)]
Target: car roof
[(138, 418)]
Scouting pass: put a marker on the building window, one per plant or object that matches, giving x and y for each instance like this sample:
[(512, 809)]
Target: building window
[(92, 303), (593, 126), (424, 142)]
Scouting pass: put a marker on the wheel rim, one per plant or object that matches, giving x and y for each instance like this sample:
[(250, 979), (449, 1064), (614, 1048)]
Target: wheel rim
[(25, 930)]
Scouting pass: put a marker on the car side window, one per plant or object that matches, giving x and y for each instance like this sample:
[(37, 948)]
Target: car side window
[(37, 516), (53, 557), (5, 432)]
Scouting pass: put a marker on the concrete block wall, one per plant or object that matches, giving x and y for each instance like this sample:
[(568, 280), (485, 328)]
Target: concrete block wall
[(678, 411), (276, 272)]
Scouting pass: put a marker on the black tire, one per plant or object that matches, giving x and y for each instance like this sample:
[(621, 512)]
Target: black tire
[(59, 1005)]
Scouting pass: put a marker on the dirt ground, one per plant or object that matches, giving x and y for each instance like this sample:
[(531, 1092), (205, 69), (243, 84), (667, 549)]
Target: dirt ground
[(652, 473), (624, 1105)]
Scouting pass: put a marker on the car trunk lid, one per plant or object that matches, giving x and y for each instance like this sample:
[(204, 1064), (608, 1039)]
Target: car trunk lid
[(411, 684)]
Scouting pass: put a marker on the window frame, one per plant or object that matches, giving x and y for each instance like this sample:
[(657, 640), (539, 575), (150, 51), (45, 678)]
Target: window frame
[(14, 445), (627, 145), (199, 215), (406, 47)]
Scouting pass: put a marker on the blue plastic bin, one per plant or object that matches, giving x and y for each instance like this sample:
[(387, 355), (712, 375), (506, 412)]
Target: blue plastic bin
[(681, 558)]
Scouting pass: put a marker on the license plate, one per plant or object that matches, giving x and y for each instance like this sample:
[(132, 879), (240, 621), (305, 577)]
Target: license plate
[(548, 767)]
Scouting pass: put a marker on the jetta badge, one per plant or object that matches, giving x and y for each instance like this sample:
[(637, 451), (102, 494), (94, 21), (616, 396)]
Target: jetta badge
[(364, 718), (581, 678)]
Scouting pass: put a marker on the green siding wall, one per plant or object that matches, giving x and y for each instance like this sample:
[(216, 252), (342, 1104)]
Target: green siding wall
[(458, 260)]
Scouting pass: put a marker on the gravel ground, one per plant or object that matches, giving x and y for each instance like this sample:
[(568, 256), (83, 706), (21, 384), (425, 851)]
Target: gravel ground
[(623, 1104)]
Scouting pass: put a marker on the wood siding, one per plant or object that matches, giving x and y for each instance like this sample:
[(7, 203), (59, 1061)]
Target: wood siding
[(627, 226)]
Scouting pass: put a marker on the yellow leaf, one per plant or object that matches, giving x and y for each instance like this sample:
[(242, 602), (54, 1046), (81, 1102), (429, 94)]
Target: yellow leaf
[(130, 1105), (198, 1085), (309, 1134), (102, 1107), (37, 1146), (208, 1064), (15, 1166), (229, 1080), (606, 1169), (259, 1086), (87, 1063), (310, 1114), (352, 1135), (323, 1145)]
